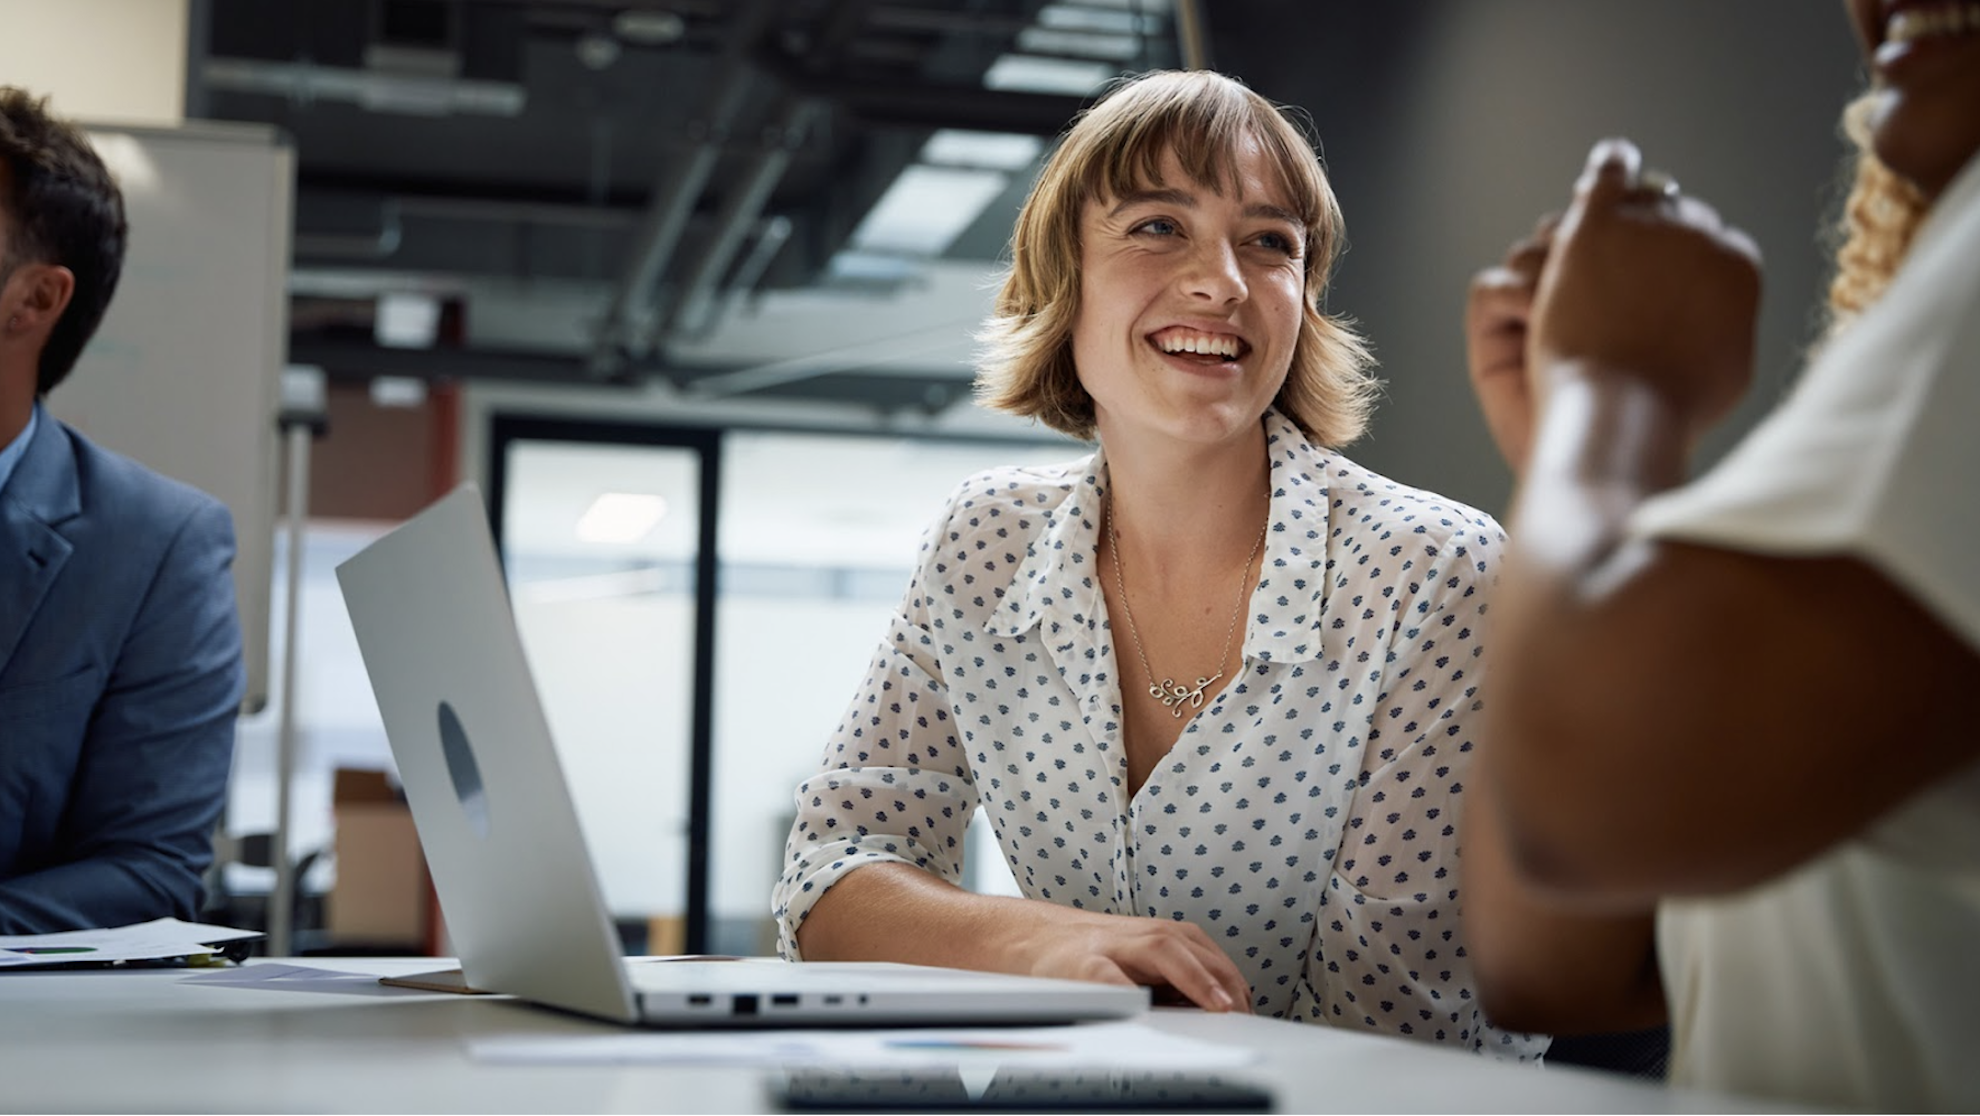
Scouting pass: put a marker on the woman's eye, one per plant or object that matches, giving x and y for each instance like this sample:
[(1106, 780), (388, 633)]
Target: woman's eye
[(1159, 226), (1279, 242)]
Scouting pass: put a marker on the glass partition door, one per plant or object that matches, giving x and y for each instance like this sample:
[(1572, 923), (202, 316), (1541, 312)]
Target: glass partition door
[(602, 535)]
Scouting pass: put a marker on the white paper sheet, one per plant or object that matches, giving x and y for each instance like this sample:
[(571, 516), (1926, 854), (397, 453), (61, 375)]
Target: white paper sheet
[(159, 939)]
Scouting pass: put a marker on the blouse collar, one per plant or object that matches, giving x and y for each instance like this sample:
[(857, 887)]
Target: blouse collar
[(1058, 580)]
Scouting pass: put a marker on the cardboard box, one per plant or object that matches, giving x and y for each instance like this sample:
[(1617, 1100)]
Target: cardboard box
[(382, 898)]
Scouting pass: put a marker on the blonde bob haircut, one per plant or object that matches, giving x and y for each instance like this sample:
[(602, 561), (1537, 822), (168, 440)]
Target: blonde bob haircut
[(1116, 147)]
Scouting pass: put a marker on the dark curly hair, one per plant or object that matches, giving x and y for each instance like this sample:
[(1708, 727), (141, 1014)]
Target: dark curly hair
[(60, 206)]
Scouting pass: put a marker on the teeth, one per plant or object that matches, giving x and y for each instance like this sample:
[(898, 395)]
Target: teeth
[(1205, 344), (1913, 24)]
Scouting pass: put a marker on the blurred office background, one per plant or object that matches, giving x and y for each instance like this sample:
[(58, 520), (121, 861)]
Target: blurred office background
[(688, 287)]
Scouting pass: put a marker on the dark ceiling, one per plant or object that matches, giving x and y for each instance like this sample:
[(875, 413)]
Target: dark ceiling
[(663, 159)]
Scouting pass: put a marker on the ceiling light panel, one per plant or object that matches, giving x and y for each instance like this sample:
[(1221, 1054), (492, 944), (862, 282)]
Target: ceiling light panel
[(926, 208), (1082, 44), (956, 147), (619, 518), (1030, 73)]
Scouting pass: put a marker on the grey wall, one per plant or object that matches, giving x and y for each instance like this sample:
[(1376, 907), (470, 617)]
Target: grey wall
[(1449, 126)]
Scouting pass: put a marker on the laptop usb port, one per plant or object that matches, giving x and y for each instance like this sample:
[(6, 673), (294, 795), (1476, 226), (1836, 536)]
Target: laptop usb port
[(700, 999), (784, 999), (742, 1004)]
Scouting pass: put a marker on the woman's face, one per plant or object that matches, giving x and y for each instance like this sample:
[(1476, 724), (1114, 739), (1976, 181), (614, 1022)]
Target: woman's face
[(1926, 54), (1190, 302)]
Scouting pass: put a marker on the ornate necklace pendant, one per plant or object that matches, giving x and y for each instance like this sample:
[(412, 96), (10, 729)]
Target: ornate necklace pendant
[(1174, 695)]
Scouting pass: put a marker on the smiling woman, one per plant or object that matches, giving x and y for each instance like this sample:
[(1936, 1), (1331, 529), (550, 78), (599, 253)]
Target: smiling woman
[(1250, 803)]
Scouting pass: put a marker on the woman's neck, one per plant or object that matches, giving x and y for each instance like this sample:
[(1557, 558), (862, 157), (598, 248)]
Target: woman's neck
[(1188, 506)]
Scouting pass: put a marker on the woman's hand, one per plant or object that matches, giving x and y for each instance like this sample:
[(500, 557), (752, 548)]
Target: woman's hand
[(897, 912), (1497, 312), (1650, 285), (1118, 949)]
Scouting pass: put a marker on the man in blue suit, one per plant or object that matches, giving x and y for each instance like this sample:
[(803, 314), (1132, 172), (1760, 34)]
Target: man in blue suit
[(121, 668)]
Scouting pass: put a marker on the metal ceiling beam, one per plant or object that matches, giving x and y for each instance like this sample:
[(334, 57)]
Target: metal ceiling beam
[(622, 334), (739, 213), (931, 106), (846, 358), (350, 360), (743, 207)]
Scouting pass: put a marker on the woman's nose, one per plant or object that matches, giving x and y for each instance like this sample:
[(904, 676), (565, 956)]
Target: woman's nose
[(1213, 273)]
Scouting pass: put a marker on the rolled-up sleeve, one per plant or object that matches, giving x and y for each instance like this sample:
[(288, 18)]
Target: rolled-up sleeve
[(894, 784)]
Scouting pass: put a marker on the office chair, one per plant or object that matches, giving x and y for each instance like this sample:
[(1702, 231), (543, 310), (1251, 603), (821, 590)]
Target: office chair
[(248, 910)]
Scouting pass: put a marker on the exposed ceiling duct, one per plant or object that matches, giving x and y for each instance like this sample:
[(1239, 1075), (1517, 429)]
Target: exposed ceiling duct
[(695, 180)]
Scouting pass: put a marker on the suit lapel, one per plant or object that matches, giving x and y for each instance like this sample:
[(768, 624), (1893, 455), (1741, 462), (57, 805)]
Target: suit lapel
[(41, 493)]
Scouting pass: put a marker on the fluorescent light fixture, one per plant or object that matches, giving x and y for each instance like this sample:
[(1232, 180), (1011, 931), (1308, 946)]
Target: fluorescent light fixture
[(406, 320), (621, 517), (956, 147), (1086, 17), (649, 28), (1083, 44), (1029, 73), (397, 391), (871, 267), (926, 208)]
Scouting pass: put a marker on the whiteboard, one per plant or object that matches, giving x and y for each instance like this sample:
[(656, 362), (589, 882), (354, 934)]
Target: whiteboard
[(185, 372)]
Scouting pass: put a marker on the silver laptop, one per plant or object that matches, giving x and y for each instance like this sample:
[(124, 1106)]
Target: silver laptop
[(501, 837)]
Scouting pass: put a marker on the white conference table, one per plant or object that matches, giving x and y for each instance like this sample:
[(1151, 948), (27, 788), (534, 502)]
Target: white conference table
[(153, 1040)]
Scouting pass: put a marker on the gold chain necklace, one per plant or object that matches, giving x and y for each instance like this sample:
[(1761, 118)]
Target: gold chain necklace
[(1172, 694)]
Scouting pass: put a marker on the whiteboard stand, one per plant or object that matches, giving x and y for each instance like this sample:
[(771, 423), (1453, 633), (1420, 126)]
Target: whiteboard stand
[(301, 419)]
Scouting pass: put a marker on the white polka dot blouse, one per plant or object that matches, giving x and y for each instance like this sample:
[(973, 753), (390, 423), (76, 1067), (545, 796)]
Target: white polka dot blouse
[(1305, 818)]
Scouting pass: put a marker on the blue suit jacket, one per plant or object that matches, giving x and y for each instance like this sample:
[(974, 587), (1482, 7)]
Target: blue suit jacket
[(121, 676)]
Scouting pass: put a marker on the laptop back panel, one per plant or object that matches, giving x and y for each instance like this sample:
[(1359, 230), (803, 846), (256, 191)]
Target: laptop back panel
[(488, 797), (500, 831)]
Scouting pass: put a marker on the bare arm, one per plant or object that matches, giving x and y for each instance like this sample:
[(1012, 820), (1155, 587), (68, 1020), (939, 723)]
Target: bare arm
[(1538, 966), (1672, 718), (1542, 968)]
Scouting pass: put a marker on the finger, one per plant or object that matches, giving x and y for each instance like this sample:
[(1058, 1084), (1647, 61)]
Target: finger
[(1527, 257), (1737, 240), (1701, 214), (1533, 248), (1194, 966), (1612, 169), (1502, 298), (1175, 966)]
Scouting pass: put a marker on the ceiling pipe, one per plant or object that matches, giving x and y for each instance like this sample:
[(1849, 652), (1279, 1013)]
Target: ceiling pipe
[(369, 247), (737, 217), (699, 322), (846, 358), (742, 209), (623, 334), (304, 82), (932, 106)]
